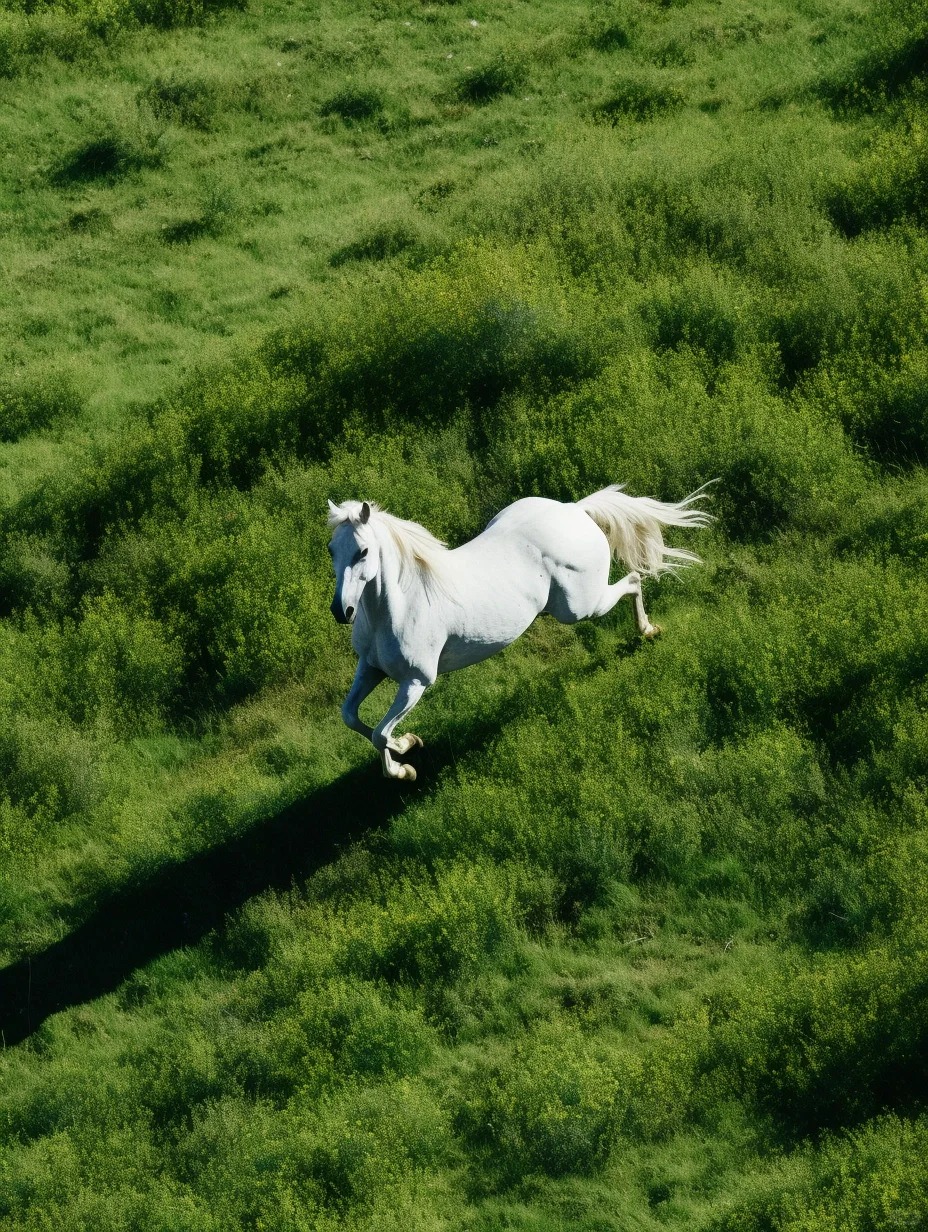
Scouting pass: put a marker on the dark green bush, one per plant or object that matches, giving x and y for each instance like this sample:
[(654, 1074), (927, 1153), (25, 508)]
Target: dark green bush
[(773, 473), (92, 220), (867, 1180), (235, 594), (197, 102), (883, 408), (48, 775), (259, 613), (893, 62), (345, 1031), (890, 186), (33, 400), (552, 1109), (890, 415), (379, 244), (217, 209), (889, 523), (145, 469), (33, 574), (354, 102), (438, 935), (448, 340), (607, 33), (702, 313), (107, 155), (833, 1043), (122, 668), (168, 14), (639, 100), (488, 81)]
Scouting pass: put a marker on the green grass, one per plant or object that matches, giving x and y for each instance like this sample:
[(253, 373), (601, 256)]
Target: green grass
[(644, 945)]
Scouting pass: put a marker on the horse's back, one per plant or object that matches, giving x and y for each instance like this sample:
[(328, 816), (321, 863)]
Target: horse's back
[(562, 533), (526, 509)]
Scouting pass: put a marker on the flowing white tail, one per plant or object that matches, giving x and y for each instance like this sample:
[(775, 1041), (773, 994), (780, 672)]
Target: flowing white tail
[(632, 524)]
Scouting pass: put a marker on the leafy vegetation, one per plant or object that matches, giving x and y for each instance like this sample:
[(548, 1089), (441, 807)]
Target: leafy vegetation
[(645, 944)]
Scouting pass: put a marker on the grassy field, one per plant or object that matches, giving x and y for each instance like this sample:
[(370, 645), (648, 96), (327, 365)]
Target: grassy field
[(645, 946)]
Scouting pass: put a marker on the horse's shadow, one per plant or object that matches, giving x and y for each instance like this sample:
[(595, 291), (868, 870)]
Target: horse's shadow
[(184, 900)]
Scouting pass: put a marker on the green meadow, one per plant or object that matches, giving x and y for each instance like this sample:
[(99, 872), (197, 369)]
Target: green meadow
[(645, 946)]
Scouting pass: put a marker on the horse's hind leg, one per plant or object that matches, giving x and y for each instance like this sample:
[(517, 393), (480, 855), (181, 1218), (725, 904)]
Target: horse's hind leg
[(408, 694), (630, 585)]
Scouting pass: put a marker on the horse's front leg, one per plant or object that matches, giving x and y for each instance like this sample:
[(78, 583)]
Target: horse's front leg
[(407, 696), (366, 679)]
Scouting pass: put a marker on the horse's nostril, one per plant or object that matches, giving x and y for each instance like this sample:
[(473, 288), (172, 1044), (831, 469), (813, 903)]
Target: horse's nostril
[(349, 612)]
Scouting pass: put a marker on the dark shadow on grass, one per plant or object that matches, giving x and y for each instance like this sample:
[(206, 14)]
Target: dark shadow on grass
[(184, 900), (880, 75), (105, 158)]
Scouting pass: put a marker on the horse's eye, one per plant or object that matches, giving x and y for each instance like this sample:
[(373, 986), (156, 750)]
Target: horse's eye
[(363, 553)]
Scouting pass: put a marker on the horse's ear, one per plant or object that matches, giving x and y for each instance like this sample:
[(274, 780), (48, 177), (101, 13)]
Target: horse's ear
[(334, 510), (365, 512)]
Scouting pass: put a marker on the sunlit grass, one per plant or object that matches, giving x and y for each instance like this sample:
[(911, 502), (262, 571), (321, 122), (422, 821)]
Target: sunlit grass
[(642, 946)]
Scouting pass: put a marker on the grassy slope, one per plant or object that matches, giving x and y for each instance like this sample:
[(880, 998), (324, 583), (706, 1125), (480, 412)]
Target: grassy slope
[(652, 914)]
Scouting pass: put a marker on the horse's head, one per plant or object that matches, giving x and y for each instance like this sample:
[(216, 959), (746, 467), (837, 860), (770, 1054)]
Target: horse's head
[(355, 556)]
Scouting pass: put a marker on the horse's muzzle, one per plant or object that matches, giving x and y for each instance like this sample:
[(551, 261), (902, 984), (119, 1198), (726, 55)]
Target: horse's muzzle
[(343, 617)]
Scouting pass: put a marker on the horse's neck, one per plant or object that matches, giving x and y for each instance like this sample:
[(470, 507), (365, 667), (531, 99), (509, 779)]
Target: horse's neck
[(387, 600)]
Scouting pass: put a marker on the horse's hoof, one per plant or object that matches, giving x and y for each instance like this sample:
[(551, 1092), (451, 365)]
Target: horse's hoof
[(407, 773), (652, 632), (407, 742)]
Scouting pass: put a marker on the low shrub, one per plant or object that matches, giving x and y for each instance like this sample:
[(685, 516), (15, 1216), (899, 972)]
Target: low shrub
[(831, 1043), (883, 408), (121, 668), (552, 1107), (110, 153), (344, 1031), (488, 81), (33, 400), (888, 68), (866, 1180), (379, 244), (456, 335), (889, 186), (701, 312), (49, 775), (197, 102), (258, 613), (809, 325), (33, 575), (354, 103), (217, 206), (607, 33), (639, 100), (169, 14), (437, 935)]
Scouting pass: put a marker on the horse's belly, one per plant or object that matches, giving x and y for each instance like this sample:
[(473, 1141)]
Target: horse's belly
[(492, 621), (462, 652)]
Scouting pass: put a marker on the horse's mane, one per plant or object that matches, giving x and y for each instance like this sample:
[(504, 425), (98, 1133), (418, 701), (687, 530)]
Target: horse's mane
[(420, 553)]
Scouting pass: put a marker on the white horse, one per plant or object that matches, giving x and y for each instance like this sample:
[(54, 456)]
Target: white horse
[(419, 609)]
